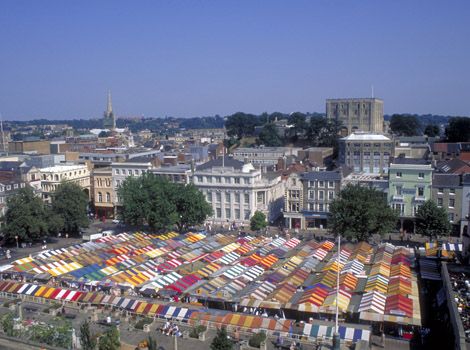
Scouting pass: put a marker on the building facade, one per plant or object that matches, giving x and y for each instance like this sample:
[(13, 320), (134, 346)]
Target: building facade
[(356, 114), (465, 211), (178, 174), (237, 190), (120, 171), (409, 187), (103, 192), (447, 193), (308, 197), (52, 177), (264, 156), (366, 153)]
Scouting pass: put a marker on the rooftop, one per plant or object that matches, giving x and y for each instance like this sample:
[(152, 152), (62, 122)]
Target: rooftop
[(228, 162), (445, 180), (411, 161), (363, 136), (60, 168), (322, 175)]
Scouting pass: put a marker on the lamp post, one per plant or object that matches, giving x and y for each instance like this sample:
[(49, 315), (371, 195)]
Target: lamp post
[(17, 244), (336, 338)]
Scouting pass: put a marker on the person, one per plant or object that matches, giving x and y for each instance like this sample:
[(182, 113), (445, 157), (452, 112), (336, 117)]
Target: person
[(279, 341), (293, 345), (108, 320), (8, 254)]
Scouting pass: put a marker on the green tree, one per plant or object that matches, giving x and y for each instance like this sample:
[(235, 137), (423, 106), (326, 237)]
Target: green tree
[(241, 124), (269, 136), (458, 130), (431, 130), (299, 125), (154, 201), (151, 343), (26, 217), (432, 221), (87, 341), (70, 203), (110, 340), (258, 221), (323, 132), (405, 125), (358, 212), (7, 324), (220, 341), (191, 206)]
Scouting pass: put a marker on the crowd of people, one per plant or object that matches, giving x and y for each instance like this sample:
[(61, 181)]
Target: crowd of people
[(171, 329), (461, 287)]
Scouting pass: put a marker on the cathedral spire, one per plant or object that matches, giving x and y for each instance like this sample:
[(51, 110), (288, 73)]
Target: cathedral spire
[(109, 109)]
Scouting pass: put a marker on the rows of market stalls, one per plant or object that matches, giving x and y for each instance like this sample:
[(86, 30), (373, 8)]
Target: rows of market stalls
[(279, 285)]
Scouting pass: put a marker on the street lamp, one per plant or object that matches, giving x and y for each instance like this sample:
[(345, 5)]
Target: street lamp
[(17, 245)]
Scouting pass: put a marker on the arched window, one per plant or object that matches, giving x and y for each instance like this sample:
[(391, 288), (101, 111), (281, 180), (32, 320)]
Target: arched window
[(56, 177), (108, 197), (100, 197)]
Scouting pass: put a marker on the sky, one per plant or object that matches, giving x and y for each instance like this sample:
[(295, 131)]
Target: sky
[(162, 58)]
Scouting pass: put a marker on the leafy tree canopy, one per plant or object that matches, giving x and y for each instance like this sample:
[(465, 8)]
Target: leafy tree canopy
[(359, 212), (405, 125), (432, 221), (431, 130), (258, 221), (458, 130), (220, 341), (87, 341), (241, 124), (70, 203), (110, 340), (155, 201), (269, 136)]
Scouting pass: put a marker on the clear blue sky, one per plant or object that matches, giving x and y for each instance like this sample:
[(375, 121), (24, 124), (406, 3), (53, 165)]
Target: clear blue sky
[(192, 58)]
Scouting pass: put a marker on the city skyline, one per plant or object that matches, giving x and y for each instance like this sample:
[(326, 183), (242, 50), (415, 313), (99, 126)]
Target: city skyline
[(197, 58)]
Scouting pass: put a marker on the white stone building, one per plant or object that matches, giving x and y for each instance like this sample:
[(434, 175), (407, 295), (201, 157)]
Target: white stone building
[(236, 190), (51, 178)]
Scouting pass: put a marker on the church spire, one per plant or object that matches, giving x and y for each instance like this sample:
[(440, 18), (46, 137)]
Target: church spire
[(109, 109)]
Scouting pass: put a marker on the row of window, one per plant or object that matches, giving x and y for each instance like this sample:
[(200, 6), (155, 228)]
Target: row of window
[(440, 202), (440, 190), (419, 191), (400, 174), (9, 187), (236, 214), (321, 183), (228, 197), (223, 179), (57, 177), (295, 207), (129, 172), (401, 209), (320, 195), (108, 197)]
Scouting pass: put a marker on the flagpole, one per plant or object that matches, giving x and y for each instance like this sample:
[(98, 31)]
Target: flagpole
[(336, 339)]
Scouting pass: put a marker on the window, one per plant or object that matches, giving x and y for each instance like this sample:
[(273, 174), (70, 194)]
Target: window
[(199, 178), (237, 214), (246, 181), (331, 184), (218, 197), (227, 197), (294, 193), (399, 190), (321, 195), (227, 213), (237, 197), (15, 186), (218, 179), (420, 175), (311, 206), (320, 207), (331, 195), (451, 202), (294, 206), (100, 197), (311, 194), (440, 190), (108, 197), (420, 191), (321, 183), (439, 202), (451, 190), (399, 174), (415, 209), (209, 179), (228, 180), (247, 198), (209, 196), (247, 215), (260, 197), (237, 180), (218, 212), (451, 217)]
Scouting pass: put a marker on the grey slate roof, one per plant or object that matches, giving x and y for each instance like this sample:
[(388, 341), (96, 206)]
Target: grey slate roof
[(228, 162), (322, 176), (445, 180), (417, 161)]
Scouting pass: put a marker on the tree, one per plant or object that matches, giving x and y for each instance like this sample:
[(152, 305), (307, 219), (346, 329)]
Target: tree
[(241, 124), (359, 212), (7, 324), (87, 341), (220, 341), (151, 343), (258, 221), (269, 136), (432, 221), (431, 130), (155, 201), (458, 130), (26, 217), (405, 125), (70, 203), (299, 125), (323, 132), (191, 206), (110, 340)]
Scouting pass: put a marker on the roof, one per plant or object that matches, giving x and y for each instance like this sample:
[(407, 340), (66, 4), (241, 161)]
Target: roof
[(228, 162), (359, 136), (453, 166), (180, 168), (446, 147), (322, 176), (10, 165), (466, 179), (59, 168), (445, 180), (410, 161)]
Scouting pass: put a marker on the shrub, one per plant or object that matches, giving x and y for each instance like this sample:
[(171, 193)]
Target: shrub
[(256, 339), (197, 330), (140, 323)]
